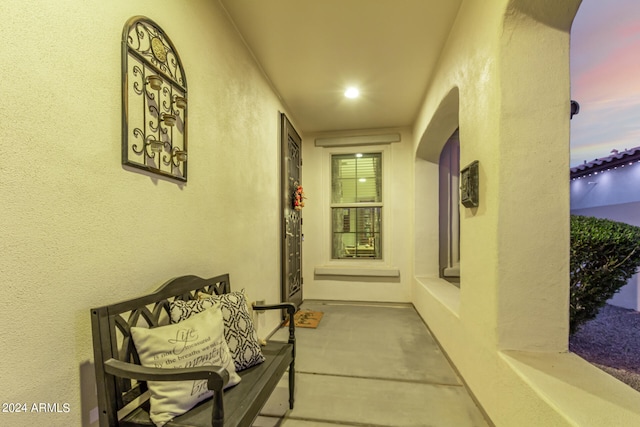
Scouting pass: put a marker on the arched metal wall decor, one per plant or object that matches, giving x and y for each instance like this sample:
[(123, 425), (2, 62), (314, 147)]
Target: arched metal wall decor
[(154, 101)]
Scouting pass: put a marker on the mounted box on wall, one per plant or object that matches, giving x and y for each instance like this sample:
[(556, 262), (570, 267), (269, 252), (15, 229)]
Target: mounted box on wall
[(154, 101), (469, 194)]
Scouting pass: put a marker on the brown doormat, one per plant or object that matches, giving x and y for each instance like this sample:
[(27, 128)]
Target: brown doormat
[(306, 319)]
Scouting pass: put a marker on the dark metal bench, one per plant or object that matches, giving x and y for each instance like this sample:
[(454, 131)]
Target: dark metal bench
[(121, 380)]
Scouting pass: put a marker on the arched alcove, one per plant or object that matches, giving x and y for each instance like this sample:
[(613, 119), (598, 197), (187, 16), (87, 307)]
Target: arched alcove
[(506, 329), (433, 186), (441, 126)]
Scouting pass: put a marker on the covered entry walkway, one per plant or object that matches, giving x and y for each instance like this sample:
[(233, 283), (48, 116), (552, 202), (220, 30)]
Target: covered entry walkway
[(371, 365)]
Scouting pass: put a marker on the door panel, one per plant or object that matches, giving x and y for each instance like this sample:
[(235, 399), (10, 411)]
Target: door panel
[(291, 144)]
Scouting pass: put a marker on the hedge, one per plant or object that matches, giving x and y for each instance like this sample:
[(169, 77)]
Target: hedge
[(605, 254)]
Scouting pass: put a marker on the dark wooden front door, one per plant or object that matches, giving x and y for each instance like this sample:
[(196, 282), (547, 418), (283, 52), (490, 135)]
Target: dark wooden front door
[(291, 144)]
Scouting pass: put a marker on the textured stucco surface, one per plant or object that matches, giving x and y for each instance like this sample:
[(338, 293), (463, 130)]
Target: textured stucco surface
[(612, 187), (506, 328), (397, 194), (80, 231)]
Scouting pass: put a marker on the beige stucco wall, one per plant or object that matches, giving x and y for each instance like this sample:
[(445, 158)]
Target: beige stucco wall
[(506, 71), (78, 230), (370, 282)]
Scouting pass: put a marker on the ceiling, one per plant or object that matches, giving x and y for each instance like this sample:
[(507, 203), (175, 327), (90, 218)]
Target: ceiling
[(312, 50)]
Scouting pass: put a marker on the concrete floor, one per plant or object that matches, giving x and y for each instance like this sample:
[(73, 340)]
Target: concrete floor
[(370, 365)]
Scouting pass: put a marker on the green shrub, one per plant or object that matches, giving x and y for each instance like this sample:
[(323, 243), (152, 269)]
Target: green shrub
[(604, 256)]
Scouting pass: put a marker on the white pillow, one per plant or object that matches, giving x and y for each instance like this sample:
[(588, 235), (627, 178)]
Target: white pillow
[(198, 341), (239, 330)]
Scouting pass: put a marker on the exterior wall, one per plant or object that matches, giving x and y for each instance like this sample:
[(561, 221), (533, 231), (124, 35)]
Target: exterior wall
[(612, 187), (369, 283), (504, 79), (79, 231)]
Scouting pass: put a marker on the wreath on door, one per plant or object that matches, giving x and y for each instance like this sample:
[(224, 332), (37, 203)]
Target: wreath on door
[(298, 198)]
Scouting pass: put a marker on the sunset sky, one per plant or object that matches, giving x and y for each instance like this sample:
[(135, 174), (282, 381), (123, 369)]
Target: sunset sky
[(605, 78)]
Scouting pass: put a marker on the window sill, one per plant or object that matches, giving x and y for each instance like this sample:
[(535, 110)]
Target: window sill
[(568, 384), (444, 292), (362, 271), (452, 271)]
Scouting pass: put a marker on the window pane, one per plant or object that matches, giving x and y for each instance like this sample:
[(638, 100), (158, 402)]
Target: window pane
[(356, 233), (356, 178)]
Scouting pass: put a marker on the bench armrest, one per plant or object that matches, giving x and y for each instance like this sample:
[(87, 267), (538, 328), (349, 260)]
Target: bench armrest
[(291, 310), (217, 376), (290, 307)]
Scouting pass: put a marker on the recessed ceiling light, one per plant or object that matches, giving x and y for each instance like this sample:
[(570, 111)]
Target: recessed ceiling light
[(352, 92)]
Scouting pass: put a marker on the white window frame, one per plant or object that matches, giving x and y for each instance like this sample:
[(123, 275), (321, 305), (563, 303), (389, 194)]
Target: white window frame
[(356, 266), (359, 205)]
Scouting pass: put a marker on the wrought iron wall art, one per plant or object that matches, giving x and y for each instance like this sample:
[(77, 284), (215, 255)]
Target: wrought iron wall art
[(154, 101)]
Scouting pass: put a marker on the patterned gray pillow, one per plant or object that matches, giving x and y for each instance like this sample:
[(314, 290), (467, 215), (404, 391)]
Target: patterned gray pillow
[(239, 331)]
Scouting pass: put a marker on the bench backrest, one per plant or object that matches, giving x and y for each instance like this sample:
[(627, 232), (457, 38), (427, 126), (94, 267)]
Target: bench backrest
[(111, 327)]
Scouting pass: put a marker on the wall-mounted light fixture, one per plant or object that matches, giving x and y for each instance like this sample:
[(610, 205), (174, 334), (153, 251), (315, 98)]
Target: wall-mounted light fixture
[(154, 101), (575, 108)]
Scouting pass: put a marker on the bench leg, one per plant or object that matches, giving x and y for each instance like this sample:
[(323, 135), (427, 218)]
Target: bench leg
[(217, 419), (292, 383)]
